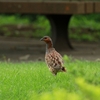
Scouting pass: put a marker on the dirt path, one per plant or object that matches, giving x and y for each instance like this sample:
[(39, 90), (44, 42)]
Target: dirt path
[(22, 49)]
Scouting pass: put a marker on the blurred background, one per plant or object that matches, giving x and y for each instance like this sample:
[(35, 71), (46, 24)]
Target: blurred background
[(81, 27), (20, 35)]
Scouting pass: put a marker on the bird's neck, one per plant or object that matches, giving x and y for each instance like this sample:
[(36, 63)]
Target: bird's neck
[(49, 45)]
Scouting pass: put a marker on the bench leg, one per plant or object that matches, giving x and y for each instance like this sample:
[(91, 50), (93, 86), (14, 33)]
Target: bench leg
[(59, 28)]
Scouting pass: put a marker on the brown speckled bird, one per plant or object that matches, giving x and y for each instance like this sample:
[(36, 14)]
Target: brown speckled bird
[(52, 57)]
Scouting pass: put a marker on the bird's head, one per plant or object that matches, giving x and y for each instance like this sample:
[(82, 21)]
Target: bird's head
[(46, 39)]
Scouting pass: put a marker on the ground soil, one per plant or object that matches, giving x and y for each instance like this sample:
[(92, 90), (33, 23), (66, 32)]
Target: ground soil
[(25, 49)]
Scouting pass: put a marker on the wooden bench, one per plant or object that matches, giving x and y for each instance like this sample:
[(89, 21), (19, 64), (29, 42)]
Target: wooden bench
[(58, 12)]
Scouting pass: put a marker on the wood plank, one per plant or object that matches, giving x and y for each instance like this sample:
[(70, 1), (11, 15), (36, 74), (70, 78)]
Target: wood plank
[(61, 8), (42, 8), (30, 0), (13, 0), (89, 7), (48, 0), (97, 7), (80, 8), (49, 7)]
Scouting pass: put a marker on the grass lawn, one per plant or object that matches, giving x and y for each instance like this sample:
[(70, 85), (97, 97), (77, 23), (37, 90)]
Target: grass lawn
[(33, 81)]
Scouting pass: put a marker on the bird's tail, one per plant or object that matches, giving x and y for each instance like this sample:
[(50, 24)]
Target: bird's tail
[(63, 69)]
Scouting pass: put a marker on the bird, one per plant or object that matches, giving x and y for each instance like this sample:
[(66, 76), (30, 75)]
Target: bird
[(53, 59)]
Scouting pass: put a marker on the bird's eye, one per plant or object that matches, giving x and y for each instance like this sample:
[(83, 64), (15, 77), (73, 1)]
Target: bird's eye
[(45, 38)]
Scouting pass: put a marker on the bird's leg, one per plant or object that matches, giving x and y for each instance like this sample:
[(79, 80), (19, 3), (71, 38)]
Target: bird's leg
[(54, 73)]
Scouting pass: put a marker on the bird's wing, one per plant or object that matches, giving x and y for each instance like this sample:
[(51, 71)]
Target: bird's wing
[(54, 59)]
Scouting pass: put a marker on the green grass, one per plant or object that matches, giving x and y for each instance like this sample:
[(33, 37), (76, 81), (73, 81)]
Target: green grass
[(20, 81), (85, 21), (13, 19), (41, 26), (86, 27)]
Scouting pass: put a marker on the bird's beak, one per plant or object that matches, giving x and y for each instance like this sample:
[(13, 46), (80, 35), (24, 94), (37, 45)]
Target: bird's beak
[(41, 39)]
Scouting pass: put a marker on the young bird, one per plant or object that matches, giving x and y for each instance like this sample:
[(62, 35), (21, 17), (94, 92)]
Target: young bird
[(52, 57)]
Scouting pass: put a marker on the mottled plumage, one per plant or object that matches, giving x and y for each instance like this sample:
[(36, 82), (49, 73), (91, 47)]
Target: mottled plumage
[(52, 57)]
